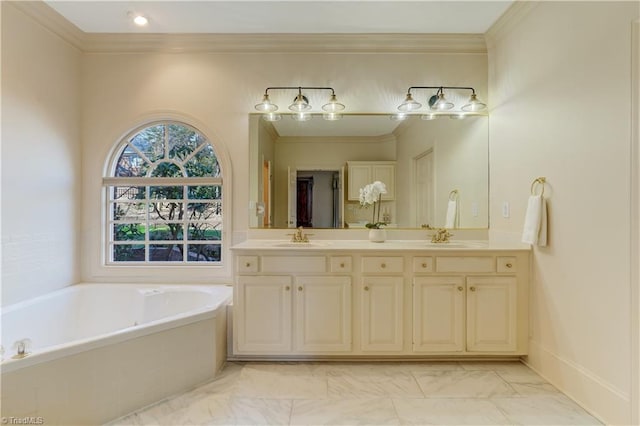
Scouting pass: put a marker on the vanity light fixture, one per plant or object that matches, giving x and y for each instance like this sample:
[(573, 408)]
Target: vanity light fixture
[(439, 103), (300, 105)]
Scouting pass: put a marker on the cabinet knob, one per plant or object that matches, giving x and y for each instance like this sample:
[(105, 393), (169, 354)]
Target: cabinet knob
[(366, 288), (424, 264), (300, 288), (460, 288), (342, 265), (246, 265), (287, 288), (384, 265), (508, 265), (472, 288)]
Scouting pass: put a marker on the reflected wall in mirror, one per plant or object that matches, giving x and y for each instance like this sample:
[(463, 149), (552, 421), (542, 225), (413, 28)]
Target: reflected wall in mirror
[(308, 173)]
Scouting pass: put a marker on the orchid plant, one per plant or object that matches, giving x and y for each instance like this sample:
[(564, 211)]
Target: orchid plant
[(370, 195)]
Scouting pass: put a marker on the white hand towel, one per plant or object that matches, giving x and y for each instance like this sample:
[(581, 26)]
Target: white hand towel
[(452, 214), (535, 222)]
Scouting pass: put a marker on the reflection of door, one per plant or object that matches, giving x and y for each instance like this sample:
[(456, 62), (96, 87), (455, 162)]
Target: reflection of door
[(291, 198), (266, 193), (304, 204), (424, 193)]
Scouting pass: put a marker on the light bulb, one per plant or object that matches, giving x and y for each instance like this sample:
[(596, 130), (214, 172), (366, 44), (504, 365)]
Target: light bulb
[(140, 20)]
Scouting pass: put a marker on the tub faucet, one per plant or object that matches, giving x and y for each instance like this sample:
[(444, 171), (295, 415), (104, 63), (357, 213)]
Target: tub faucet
[(441, 236), (22, 348), (299, 236)]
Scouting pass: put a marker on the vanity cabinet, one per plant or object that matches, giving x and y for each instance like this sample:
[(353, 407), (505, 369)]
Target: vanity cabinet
[(342, 300), (298, 313), (323, 314), (262, 314), (382, 303), (361, 173), (438, 314), (452, 314)]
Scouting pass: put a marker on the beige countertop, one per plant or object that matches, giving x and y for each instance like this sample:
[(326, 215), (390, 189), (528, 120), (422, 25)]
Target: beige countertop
[(389, 245)]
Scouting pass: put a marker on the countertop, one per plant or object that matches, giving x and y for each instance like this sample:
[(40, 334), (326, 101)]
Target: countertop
[(389, 245)]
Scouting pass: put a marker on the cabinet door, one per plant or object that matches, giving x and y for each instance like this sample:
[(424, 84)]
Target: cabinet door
[(385, 173), (262, 314), (491, 314), (381, 323), (323, 314), (438, 314), (359, 176)]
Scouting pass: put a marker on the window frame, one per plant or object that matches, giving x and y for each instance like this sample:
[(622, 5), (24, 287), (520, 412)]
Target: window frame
[(109, 181)]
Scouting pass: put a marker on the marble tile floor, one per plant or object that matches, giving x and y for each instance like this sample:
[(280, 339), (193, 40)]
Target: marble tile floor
[(341, 393)]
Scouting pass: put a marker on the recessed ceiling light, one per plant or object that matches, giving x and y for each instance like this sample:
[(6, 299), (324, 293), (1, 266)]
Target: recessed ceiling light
[(140, 20)]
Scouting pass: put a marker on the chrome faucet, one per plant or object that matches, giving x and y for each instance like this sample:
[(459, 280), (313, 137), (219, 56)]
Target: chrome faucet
[(441, 236), (299, 236)]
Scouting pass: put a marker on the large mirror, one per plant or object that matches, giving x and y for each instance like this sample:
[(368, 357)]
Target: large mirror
[(308, 173)]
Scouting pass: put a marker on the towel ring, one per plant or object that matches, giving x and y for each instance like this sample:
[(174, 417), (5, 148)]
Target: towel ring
[(538, 181), (453, 195)]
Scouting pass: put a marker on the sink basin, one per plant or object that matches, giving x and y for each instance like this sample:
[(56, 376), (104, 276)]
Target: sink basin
[(299, 245), (456, 244), (450, 245)]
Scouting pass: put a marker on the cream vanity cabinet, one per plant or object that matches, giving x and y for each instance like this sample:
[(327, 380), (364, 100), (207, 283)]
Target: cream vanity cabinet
[(276, 314), (382, 302), (361, 173), (479, 306)]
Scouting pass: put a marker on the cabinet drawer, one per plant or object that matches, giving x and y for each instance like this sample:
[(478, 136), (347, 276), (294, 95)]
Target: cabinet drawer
[(340, 264), (465, 264), (292, 264), (507, 264), (247, 264), (382, 264), (422, 264)]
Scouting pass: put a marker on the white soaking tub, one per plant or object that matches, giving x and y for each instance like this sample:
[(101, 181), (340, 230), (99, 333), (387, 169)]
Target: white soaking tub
[(99, 351)]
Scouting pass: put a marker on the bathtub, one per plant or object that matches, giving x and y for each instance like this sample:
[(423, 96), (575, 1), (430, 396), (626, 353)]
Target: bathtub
[(100, 351)]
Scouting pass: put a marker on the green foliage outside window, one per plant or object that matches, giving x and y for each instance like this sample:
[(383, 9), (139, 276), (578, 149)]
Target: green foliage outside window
[(174, 217)]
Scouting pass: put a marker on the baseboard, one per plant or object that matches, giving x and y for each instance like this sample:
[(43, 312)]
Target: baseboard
[(601, 399)]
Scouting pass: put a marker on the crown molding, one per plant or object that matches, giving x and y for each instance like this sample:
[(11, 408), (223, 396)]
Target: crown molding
[(46, 16), (285, 43), (249, 43), (269, 128), (509, 19)]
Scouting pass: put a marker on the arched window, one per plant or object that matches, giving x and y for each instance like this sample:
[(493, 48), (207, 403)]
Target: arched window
[(164, 198)]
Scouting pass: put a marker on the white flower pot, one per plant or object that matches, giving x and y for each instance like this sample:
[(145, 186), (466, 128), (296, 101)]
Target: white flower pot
[(377, 235)]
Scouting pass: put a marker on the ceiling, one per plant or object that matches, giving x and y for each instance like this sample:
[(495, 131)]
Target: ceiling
[(292, 16)]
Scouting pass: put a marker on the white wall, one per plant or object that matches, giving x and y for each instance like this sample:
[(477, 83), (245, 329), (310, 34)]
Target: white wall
[(215, 93), (41, 168), (560, 84)]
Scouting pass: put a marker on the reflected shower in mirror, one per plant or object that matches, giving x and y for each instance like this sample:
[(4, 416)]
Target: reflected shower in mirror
[(309, 173)]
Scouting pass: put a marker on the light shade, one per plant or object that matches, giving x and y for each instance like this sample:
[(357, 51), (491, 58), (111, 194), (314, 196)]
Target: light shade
[(333, 105), (271, 116), (399, 116), (301, 116), (300, 104), (332, 116), (266, 105), (409, 104), (441, 104), (474, 104)]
